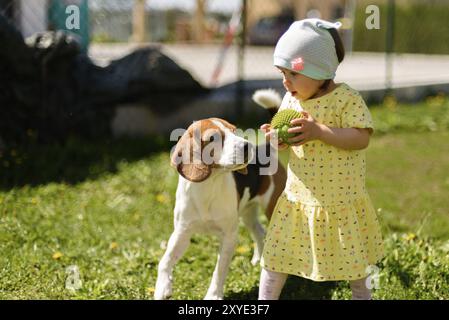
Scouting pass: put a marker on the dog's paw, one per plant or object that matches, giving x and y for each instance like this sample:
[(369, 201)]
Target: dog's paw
[(213, 297), (162, 294), (163, 289)]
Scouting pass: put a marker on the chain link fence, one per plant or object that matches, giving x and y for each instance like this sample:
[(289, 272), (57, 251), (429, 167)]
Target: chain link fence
[(195, 32), (229, 43)]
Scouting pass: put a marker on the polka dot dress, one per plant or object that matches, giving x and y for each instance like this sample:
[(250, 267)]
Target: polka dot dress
[(324, 226)]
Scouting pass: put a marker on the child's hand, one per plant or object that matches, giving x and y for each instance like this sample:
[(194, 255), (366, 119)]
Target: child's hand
[(306, 128), (266, 128)]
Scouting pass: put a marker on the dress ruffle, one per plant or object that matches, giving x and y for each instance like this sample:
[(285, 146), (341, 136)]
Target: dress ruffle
[(323, 243)]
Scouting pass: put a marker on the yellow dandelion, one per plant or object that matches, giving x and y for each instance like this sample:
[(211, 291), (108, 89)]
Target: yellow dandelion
[(242, 249), (150, 291), (162, 198), (410, 236), (57, 255), (34, 200), (113, 245)]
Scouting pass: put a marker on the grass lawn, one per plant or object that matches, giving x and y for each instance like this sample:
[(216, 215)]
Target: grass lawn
[(105, 209)]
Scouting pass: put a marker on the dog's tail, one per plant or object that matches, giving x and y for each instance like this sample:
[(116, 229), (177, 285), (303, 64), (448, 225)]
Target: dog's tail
[(268, 99)]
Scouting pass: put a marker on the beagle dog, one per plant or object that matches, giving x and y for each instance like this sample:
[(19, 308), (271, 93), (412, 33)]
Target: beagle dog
[(220, 184)]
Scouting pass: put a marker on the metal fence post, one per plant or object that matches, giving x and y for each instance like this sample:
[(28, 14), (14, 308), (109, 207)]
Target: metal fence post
[(389, 48), (240, 90)]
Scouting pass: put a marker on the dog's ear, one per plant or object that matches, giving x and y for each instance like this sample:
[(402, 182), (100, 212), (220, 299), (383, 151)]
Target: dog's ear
[(226, 124), (186, 158), (194, 172)]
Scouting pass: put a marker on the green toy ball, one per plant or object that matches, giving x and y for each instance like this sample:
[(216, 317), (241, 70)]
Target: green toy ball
[(281, 123)]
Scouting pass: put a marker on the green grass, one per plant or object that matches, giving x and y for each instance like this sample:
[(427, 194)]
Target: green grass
[(408, 179), (107, 207)]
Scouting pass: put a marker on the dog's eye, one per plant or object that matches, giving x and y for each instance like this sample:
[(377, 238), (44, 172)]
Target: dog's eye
[(213, 138)]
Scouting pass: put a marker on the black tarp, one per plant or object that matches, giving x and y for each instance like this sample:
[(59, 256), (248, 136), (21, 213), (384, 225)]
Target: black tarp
[(49, 89)]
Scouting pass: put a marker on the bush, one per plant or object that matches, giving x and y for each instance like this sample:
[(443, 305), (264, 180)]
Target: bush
[(431, 115), (420, 27)]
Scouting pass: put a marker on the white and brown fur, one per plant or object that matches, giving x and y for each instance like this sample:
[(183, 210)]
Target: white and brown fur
[(211, 198)]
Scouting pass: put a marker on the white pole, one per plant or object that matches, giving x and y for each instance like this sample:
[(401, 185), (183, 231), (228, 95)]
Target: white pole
[(350, 7)]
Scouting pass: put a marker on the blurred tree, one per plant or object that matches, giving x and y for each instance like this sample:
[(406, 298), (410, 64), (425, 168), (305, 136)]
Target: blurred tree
[(139, 22), (199, 29)]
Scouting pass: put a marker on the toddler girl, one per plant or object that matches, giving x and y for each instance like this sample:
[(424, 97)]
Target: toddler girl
[(324, 226)]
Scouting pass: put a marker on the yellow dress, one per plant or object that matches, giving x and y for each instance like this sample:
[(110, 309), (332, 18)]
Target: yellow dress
[(324, 226)]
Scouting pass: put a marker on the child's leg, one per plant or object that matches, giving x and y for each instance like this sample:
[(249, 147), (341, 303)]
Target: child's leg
[(271, 284), (359, 290)]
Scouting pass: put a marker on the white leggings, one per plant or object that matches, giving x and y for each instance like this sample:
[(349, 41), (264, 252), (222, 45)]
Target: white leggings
[(271, 284)]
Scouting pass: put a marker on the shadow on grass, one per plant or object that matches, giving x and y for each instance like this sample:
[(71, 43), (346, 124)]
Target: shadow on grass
[(295, 288), (74, 160)]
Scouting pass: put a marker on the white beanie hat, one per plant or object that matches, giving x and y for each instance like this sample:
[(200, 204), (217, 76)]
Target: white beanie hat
[(307, 47)]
